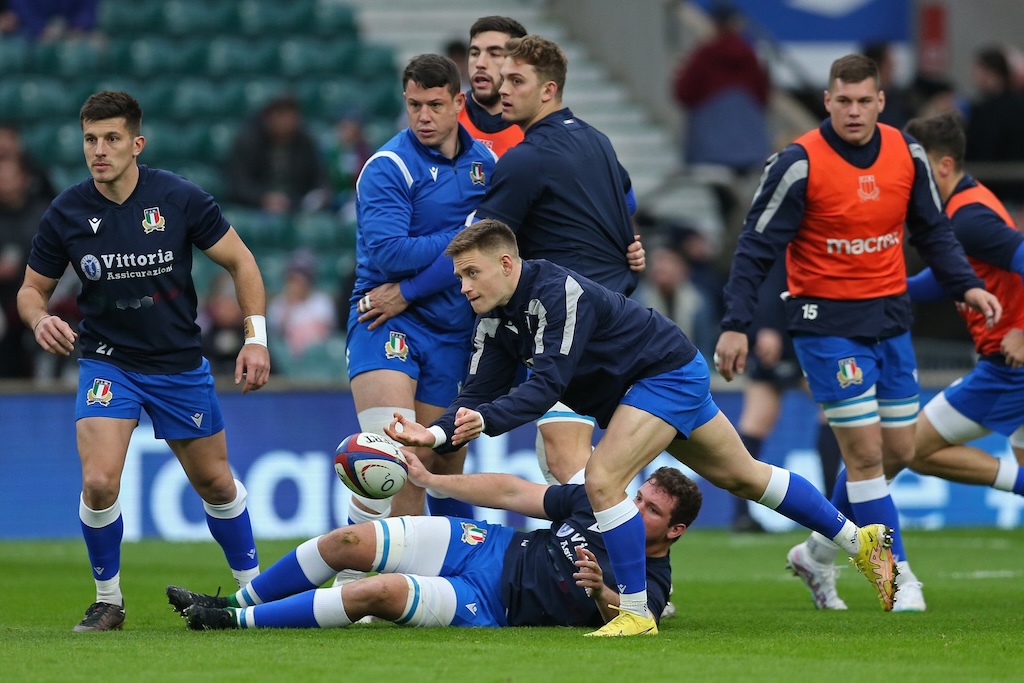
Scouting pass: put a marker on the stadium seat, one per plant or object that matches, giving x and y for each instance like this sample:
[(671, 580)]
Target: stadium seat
[(259, 229), (383, 98), (121, 19), (221, 138), (64, 177), (229, 57), (200, 98), (376, 62), (168, 142), (304, 58), (321, 363), (192, 18), (67, 146), (69, 59), (260, 18), (258, 91), (44, 98), (207, 177), (320, 231), (14, 55), (326, 99), (335, 20), (148, 57)]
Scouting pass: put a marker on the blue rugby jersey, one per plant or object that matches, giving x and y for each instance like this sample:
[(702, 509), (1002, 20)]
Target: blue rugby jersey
[(586, 345), (536, 578), (138, 300), (410, 201), (563, 192)]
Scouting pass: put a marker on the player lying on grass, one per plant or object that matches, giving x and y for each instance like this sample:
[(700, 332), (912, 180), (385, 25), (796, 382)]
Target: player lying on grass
[(447, 571), (634, 371)]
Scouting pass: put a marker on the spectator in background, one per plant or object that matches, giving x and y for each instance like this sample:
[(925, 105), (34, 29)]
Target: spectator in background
[(457, 51), (344, 157), (301, 315), (994, 130), (223, 327), (11, 147), (52, 20), (275, 163), (20, 212), (669, 290), (724, 90), (898, 105)]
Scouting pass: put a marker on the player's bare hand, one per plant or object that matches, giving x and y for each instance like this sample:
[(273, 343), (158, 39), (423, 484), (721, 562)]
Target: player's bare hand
[(731, 354), (418, 473), (985, 303), (589, 576), (768, 346), (469, 424), (636, 256), (409, 433), (381, 304), (1012, 347), (252, 365), (55, 335)]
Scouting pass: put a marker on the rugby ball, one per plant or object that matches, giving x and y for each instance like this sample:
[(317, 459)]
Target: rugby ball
[(371, 465)]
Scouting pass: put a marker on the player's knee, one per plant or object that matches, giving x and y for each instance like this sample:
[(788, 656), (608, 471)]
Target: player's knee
[(384, 596), (349, 547), (216, 490)]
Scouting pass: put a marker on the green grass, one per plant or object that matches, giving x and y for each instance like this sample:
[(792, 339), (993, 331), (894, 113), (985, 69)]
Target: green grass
[(741, 617)]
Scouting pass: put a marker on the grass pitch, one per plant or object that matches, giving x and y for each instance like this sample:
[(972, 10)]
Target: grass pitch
[(741, 617)]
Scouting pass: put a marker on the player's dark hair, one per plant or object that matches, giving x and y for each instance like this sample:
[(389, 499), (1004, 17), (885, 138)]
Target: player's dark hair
[(506, 25), (433, 71), (488, 235), (993, 58), (113, 104), (853, 69), (685, 492), (941, 135), (544, 55)]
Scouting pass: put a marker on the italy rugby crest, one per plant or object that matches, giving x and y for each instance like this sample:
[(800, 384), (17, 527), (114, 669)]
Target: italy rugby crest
[(476, 173), (396, 346), (152, 220), (99, 393), (849, 373), (472, 534)]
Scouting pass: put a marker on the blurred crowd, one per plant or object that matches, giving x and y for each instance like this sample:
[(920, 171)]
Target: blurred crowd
[(278, 166)]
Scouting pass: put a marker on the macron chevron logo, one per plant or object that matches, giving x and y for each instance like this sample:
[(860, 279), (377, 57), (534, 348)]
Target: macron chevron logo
[(98, 570), (94, 223), (198, 419), (251, 553), (472, 608), (433, 173)]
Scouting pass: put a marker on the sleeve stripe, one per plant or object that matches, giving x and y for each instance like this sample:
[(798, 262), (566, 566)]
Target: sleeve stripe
[(917, 152), (794, 174), (487, 327), (573, 292), (388, 155)]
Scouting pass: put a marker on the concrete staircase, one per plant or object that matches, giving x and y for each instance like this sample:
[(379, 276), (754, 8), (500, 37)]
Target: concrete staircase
[(412, 27)]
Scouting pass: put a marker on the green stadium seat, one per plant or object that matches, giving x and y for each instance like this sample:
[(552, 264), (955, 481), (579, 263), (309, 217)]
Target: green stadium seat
[(259, 229), (384, 98), (69, 59), (229, 57), (304, 58), (221, 138), (148, 57), (376, 62), (326, 99), (335, 20), (168, 143), (67, 146), (64, 177), (192, 18), (258, 91), (44, 98), (203, 99), (121, 19), (321, 363), (207, 177), (14, 55), (320, 231), (273, 264), (260, 18)]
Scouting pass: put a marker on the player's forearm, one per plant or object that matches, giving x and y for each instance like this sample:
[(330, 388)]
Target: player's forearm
[(32, 305), (491, 490), (605, 600), (252, 297)]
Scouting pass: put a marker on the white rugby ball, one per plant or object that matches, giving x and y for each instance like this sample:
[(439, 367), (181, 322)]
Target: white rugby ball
[(371, 465)]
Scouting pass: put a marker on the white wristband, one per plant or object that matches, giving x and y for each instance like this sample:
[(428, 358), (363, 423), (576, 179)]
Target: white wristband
[(256, 330), (440, 438)]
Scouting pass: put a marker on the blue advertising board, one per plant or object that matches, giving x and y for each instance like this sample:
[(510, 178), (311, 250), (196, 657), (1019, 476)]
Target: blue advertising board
[(282, 447), (806, 21)]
